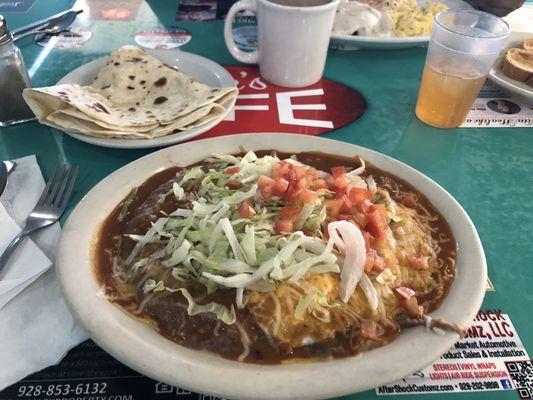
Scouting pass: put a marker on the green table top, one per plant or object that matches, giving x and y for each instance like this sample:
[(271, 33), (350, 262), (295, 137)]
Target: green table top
[(489, 171)]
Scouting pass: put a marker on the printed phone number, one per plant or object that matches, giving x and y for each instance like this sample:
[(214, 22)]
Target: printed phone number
[(479, 385), (66, 389)]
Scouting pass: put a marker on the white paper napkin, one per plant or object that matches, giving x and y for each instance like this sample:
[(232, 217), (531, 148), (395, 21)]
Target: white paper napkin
[(36, 328), (26, 264)]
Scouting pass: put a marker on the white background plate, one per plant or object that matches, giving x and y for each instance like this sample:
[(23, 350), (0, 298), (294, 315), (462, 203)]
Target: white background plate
[(143, 349), (344, 42), (200, 68), (496, 75)]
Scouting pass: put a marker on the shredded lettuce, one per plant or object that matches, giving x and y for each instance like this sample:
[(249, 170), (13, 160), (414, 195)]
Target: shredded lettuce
[(316, 304), (233, 266), (181, 212), (223, 313), (306, 211), (178, 191), (242, 280), (179, 255), (152, 286), (150, 235), (192, 174), (248, 245), (220, 213), (232, 239), (219, 253), (126, 205), (226, 158), (208, 242), (239, 197)]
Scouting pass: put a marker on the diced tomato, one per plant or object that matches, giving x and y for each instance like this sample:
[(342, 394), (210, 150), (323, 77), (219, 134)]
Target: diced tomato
[(368, 238), (374, 261), (346, 204), (280, 170), (357, 195), (290, 213), (232, 170), (265, 181), (246, 210), (417, 262), (334, 206), (408, 301), (344, 217), (301, 183), (279, 187), (408, 200), (299, 171), (369, 330), (364, 206), (276, 171), (359, 217), (233, 185), (290, 194), (318, 184), (411, 306), (306, 196), (283, 226), (379, 263), (337, 182), (377, 221), (369, 263), (291, 176), (265, 185), (405, 292), (338, 171), (311, 174)]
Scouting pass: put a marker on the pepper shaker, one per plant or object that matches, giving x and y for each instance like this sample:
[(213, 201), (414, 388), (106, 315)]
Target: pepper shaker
[(13, 80)]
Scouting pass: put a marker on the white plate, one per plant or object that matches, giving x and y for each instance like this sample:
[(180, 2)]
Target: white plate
[(496, 75), (144, 350), (200, 68), (344, 42)]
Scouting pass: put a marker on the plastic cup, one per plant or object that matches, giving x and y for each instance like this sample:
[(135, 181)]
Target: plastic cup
[(463, 47)]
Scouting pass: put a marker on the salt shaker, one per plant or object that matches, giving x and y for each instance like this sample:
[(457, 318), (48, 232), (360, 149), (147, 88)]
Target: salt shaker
[(13, 79)]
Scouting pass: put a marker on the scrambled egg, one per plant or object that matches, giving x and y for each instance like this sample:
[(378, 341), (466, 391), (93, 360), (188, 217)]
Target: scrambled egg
[(412, 20), (275, 312)]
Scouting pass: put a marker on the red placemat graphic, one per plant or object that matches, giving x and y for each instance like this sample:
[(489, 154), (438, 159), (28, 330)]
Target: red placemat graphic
[(264, 107)]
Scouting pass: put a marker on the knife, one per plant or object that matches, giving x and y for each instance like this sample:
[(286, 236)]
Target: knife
[(55, 23), (5, 168)]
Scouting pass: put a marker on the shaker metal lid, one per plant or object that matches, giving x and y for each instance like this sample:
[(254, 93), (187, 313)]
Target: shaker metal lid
[(4, 32)]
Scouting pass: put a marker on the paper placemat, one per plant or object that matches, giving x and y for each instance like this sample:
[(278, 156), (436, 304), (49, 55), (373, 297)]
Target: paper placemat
[(495, 108)]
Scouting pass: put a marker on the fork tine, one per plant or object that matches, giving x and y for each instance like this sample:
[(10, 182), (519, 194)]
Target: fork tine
[(47, 187), (68, 193), (55, 186), (61, 187)]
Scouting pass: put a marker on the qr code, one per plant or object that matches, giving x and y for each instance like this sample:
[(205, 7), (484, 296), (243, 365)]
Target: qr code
[(522, 374)]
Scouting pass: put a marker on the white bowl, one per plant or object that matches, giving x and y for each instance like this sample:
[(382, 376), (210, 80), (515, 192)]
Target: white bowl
[(144, 350)]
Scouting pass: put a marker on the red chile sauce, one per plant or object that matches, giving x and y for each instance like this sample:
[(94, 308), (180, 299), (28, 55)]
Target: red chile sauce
[(167, 312)]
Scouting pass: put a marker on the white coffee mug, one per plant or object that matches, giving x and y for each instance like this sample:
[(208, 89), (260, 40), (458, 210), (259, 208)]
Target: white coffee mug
[(292, 35)]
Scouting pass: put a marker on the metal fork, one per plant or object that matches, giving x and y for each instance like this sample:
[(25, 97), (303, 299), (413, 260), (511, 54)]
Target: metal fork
[(49, 208)]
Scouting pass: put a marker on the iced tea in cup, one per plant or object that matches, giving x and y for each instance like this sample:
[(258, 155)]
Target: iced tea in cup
[(464, 44)]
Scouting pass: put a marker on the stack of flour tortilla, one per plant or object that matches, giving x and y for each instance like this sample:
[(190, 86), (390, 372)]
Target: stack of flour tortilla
[(134, 96)]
